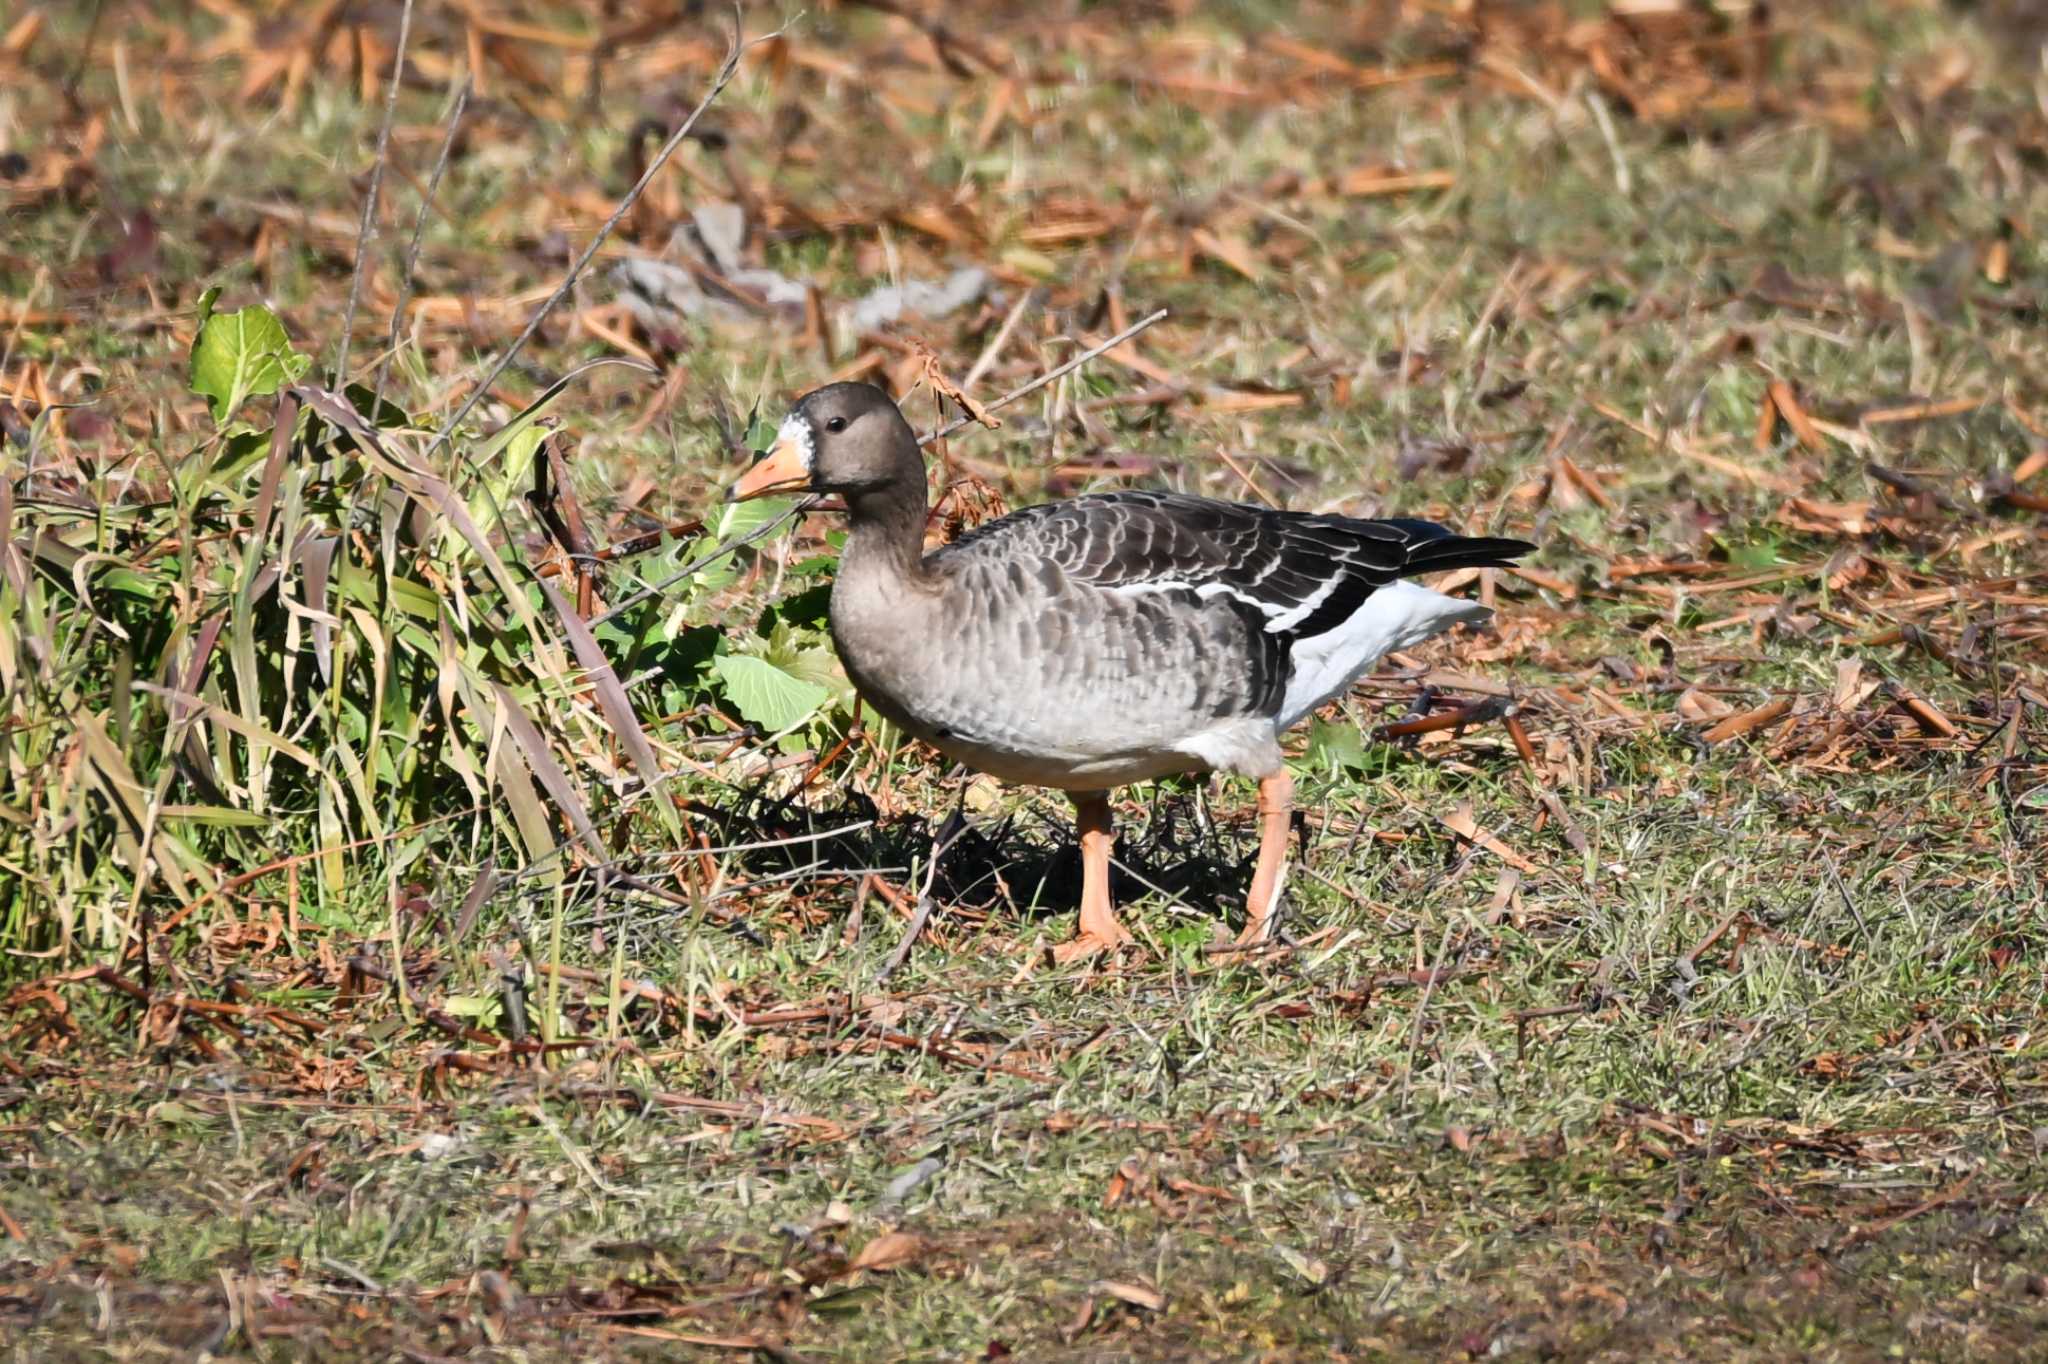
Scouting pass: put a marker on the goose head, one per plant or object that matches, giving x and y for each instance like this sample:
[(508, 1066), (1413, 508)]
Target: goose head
[(844, 438)]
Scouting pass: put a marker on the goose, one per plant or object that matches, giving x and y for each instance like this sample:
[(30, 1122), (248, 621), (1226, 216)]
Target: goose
[(1112, 638)]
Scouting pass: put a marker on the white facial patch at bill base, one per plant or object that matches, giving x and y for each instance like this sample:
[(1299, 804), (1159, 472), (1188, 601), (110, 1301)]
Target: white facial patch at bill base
[(796, 429)]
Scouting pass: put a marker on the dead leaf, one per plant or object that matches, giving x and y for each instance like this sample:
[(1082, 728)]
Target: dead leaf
[(1735, 726), (934, 375), (1462, 823), (890, 1250), (884, 1012), (1584, 481), (1374, 180), (1136, 1294), (1229, 251), (1850, 690), (1924, 714), (1701, 707), (1787, 403), (1825, 518), (1998, 261)]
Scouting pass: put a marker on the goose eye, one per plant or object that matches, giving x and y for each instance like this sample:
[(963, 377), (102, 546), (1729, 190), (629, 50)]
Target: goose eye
[(836, 424)]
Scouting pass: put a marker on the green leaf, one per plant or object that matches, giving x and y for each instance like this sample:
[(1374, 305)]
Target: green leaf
[(239, 454), (765, 695), (1758, 557), (811, 607), (819, 667), (744, 518), (482, 1008), (240, 355), (215, 814), (378, 412), (1336, 745)]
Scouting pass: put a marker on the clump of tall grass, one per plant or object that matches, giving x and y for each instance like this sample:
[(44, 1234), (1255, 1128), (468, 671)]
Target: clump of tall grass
[(306, 647), (296, 644)]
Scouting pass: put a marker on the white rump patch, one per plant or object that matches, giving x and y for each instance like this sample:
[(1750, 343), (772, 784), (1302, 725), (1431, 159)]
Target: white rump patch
[(1245, 745), (1397, 616), (796, 429)]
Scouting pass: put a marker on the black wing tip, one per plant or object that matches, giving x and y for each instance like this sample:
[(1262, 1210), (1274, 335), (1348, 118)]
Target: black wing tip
[(1505, 547), (1466, 551)]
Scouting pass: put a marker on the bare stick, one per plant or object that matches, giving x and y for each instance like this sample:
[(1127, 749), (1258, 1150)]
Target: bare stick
[(668, 148), (1042, 380), (987, 359), (419, 231), (366, 232)]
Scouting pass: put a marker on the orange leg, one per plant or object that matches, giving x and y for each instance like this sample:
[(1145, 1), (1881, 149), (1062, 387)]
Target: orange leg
[(1276, 797), (1099, 931)]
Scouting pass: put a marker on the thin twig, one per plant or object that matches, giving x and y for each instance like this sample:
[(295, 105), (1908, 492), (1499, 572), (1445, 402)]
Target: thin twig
[(625, 206), (760, 844), (923, 912), (419, 232), (1042, 380), (366, 232), (1421, 1008), (987, 359), (697, 564)]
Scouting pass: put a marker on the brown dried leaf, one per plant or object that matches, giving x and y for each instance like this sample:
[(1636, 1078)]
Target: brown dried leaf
[(1367, 181), (1228, 251), (1925, 715), (1825, 518), (1735, 726), (1766, 424), (935, 375), (1462, 823), (1787, 403), (1136, 1294), (890, 1250), (1585, 482), (1850, 689), (1701, 707)]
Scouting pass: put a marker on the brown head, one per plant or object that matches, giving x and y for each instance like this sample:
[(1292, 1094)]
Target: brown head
[(843, 438)]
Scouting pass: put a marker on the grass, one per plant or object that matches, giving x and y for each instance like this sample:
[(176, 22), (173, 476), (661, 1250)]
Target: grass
[(1672, 1038)]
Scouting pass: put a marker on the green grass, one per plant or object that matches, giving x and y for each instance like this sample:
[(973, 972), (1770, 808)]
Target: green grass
[(1711, 1049)]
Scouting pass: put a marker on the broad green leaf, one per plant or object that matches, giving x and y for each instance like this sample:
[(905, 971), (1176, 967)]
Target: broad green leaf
[(239, 454), (819, 666), (482, 1008), (765, 695), (1336, 745), (744, 518), (240, 355)]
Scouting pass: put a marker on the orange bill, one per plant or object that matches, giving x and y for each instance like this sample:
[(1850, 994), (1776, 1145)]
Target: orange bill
[(781, 470)]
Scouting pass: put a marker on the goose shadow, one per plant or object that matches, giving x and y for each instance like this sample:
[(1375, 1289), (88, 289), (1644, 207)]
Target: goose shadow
[(1022, 861)]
